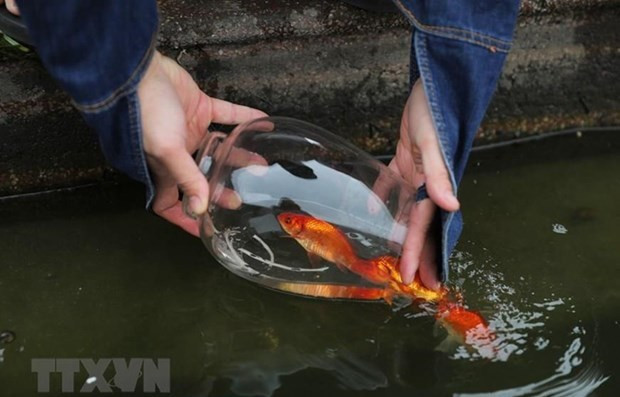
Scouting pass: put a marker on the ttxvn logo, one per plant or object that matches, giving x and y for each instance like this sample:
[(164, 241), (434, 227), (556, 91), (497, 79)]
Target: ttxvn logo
[(155, 374)]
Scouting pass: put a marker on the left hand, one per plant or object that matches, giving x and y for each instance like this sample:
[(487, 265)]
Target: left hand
[(175, 115), (418, 160), (11, 6)]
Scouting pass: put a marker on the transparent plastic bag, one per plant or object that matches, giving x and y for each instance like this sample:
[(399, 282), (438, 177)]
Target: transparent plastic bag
[(274, 166)]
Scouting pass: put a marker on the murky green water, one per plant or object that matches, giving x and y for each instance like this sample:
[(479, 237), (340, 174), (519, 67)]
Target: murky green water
[(89, 274)]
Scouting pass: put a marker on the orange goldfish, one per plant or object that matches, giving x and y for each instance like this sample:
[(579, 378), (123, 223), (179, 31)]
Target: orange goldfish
[(468, 326), (323, 240)]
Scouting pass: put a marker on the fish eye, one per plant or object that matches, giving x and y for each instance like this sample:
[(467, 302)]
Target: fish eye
[(287, 220)]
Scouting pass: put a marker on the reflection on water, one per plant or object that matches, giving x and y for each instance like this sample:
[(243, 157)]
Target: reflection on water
[(570, 378), (258, 373), (86, 274)]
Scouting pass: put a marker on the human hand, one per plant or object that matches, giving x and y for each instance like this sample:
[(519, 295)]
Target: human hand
[(11, 6), (175, 115), (418, 160)]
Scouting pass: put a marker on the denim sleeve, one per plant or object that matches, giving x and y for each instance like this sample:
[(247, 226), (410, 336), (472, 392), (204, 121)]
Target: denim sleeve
[(98, 50), (458, 49)]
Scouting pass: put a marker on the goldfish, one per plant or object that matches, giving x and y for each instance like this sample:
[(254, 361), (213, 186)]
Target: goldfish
[(466, 325), (322, 240)]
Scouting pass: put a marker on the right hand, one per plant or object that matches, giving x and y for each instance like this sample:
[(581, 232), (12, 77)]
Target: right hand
[(175, 115), (418, 160)]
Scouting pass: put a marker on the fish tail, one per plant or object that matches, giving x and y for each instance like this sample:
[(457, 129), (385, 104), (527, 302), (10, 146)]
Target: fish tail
[(380, 270), (386, 263), (467, 324)]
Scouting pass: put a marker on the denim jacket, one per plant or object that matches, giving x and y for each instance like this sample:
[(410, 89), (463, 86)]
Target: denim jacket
[(98, 51)]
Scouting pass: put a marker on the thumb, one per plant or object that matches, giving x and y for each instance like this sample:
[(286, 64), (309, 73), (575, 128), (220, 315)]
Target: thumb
[(183, 169)]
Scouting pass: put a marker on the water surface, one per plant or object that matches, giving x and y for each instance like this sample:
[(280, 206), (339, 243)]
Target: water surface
[(90, 274)]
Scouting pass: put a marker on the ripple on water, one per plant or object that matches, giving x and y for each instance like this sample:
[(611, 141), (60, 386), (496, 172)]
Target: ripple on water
[(530, 326)]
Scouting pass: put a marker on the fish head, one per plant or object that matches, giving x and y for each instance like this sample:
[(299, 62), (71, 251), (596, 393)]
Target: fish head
[(292, 223)]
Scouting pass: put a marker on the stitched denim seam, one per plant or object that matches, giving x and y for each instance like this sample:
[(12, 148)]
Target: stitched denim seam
[(414, 72), (126, 88), (419, 41), (492, 43), (138, 157), (444, 246), (431, 28), (429, 87)]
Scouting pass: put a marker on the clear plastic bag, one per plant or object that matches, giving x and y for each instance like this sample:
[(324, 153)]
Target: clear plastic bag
[(274, 166)]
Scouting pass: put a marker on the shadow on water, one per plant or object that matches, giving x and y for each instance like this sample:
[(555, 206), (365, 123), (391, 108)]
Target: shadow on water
[(88, 273)]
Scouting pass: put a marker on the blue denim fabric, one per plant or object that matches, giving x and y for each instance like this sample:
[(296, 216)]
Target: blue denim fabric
[(458, 49), (98, 51)]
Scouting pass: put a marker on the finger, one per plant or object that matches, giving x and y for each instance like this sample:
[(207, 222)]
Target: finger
[(428, 263), (228, 199), (382, 187), (168, 206), (438, 183), (225, 112), (174, 214), (399, 231), (11, 6), (420, 219), (405, 202), (263, 125), (183, 170), (426, 151), (239, 157)]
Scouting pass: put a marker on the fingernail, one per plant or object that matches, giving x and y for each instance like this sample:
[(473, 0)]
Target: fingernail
[(408, 276), (196, 205), (234, 201), (257, 159)]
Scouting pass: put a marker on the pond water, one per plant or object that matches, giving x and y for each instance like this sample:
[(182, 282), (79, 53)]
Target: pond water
[(89, 274)]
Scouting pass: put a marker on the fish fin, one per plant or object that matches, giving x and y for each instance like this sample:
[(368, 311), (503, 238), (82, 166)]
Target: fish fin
[(315, 260), (388, 296), (439, 330), (449, 344), (341, 267), (386, 260), (396, 299), (387, 265)]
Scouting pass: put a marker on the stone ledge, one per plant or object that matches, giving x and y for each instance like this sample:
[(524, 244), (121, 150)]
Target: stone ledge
[(187, 23), (346, 72)]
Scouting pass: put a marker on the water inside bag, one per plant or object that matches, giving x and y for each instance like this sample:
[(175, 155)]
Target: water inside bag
[(277, 165)]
